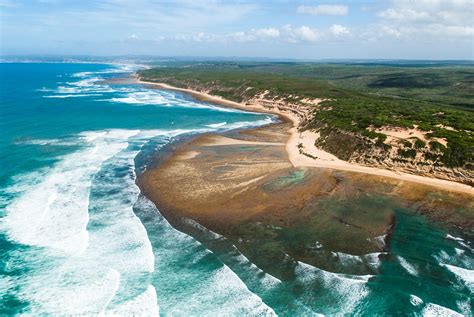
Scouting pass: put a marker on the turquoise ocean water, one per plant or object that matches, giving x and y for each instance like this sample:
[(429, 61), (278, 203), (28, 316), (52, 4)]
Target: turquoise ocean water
[(77, 237)]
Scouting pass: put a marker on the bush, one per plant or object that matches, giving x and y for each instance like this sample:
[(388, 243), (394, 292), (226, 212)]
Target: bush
[(407, 153), (419, 144), (436, 146)]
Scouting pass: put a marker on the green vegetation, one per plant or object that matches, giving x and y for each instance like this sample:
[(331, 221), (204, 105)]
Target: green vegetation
[(436, 146), (410, 153), (360, 97), (419, 144), (445, 83)]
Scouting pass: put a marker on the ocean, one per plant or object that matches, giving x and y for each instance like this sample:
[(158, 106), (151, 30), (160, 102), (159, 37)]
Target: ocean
[(78, 237)]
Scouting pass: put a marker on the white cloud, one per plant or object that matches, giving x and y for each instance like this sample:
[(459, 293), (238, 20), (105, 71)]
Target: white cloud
[(324, 9), (440, 19), (391, 31), (254, 35), (300, 34), (337, 30), (284, 34), (204, 37), (269, 32), (404, 14)]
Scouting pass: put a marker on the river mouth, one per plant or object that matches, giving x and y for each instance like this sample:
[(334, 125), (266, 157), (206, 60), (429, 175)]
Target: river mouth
[(237, 194)]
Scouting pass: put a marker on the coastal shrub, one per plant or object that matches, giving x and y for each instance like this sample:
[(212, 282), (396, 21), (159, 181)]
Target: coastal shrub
[(370, 134), (457, 155), (432, 157), (410, 153), (405, 143), (419, 144), (436, 146)]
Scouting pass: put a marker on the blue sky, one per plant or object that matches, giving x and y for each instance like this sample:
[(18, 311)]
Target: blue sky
[(389, 29)]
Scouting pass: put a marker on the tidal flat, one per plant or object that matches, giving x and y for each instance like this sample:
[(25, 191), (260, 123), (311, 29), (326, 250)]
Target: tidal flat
[(237, 192)]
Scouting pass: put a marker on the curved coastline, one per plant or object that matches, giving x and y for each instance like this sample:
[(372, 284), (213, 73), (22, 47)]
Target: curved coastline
[(323, 159), (241, 195)]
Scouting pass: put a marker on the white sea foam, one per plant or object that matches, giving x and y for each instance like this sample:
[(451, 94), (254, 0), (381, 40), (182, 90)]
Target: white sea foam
[(143, 97), (119, 68), (82, 74), (459, 252), (373, 259), (113, 197), (144, 304), (86, 82), (462, 259), (247, 124), (105, 273), (166, 99), (71, 96), (212, 288), (415, 300), (216, 125), (348, 259), (448, 236), (65, 292), (410, 268), (466, 276), (246, 303), (342, 292), (59, 203), (253, 274), (433, 310), (464, 305), (265, 280), (224, 126), (89, 84)]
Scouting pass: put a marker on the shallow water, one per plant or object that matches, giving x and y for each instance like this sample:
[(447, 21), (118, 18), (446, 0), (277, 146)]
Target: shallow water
[(78, 237)]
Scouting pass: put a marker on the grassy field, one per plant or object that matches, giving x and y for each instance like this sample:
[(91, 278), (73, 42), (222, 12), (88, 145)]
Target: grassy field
[(430, 96)]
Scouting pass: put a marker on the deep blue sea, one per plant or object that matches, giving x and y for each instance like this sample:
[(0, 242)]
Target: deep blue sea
[(78, 238)]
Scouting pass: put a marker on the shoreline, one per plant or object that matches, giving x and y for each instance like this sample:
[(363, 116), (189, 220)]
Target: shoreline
[(297, 140), (241, 185)]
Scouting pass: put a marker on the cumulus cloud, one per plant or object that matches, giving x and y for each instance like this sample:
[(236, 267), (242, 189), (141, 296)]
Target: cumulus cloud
[(269, 32), (404, 14), (300, 34), (253, 35), (421, 18), (284, 34), (338, 30), (324, 9)]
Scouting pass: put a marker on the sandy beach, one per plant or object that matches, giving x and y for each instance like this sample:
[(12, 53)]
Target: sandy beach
[(301, 143)]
